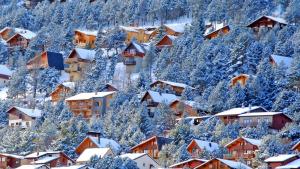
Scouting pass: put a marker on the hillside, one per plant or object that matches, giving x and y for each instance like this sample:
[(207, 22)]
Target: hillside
[(150, 84)]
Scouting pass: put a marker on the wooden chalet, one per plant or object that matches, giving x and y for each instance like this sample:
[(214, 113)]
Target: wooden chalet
[(90, 104), (232, 115), (153, 99), (280, 160), (5, 75), (48, 158), (218, 163), (296, 147), (46, 59), (188, 164), (219, 31), (6, 33), (175, 87), (141, 34), (61, 91), (267, 22), (240, 79), (152, 146), (85, 38), (166, 42), (291, 165), (175, 29), (196, 147), (109, 88), (10, 160), (188, 108), (22, 117), (77, 62), (133, 56), (143, 160), (21, 38), (242, 148), (276, 120), (94, 140)]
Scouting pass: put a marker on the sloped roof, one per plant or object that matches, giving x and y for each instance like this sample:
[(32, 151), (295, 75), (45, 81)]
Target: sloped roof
[(296, 145), (87, 96), (294, 164), (176, 84), (12, 155), (177, 27), (276, 19), (4, 70), (29, 112), (260, 114), (230, 163), (209, 146), (88, 32), (238, 111), (39, 154), (88, 153), (161, 97), (84, 53), (37, 166), (287, 61), (249, 140), (216, 30), (70, 85), (104, 142), (280, 158), (44, 160), (71, 167), (187, 161), (160, 141)]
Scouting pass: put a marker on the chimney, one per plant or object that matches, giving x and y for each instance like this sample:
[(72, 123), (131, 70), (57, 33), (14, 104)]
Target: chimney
[(95, 134)]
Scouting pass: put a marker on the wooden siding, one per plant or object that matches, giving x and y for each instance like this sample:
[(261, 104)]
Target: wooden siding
[(180, 108), (59, 93), (84, 40), (140, 35), (241, 149), (87, 143), (273, 165), (9, 162), (190, 164), (225, 30), (159, 84), (214, 164), (39, 61), (149, 147), (240, 79), (164, 42), (264, 22), (6, 34), (18, 41)]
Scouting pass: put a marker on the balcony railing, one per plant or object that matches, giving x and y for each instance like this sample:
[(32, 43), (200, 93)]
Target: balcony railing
[(129, 54), (129, 62), (237, 156)]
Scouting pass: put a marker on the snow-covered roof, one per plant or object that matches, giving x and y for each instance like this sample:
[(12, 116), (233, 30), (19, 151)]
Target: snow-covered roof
[(132, 156), (237, 111), (234, 164), (4, 70), (88, 153), (12, 156), (39, 154), (88, 32), (294, 164), (29, 112), (162, 97), (129, 28), (177, 27), (280, 158), (104, 143), (249, 140), (172, 37), (87, 96), (5, 28), (287, 61), (277, 19), (44, 160), (260, 114), (38, 166), (138, 47), (215, 28), (182, 85), (25, 33), (71, 167), (85, 53), (209, 146), (187, 161), (70, 85)]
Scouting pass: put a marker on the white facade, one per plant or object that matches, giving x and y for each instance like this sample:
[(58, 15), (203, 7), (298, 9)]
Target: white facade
[(3, 82), (143, 160), (20, 122)]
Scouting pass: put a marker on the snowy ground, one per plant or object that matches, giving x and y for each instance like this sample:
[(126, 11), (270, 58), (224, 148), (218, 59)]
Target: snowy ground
[(3, 93)]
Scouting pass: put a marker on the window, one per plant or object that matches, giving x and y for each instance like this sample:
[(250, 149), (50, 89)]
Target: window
[(27, 123)]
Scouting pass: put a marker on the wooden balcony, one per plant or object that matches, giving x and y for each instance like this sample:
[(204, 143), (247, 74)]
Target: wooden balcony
[(238, 156), (72, 60), (128, 54), (129, 62)]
